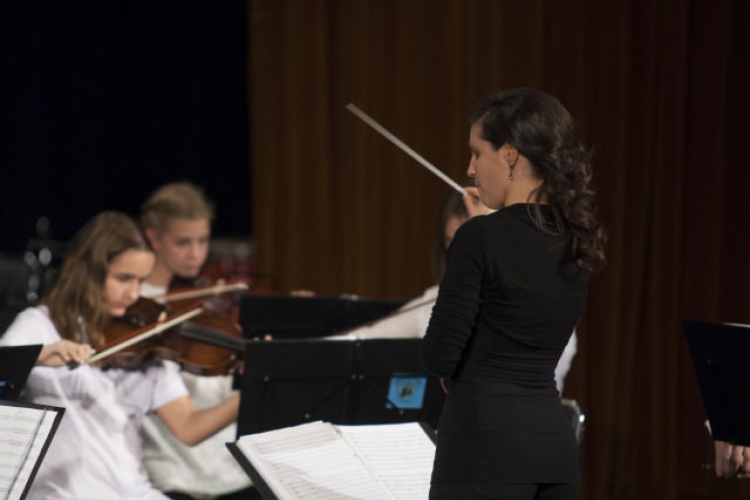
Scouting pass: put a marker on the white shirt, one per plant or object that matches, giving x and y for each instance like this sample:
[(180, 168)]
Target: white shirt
[(411, 321), (202, 471), (150, 291), (96, 452)]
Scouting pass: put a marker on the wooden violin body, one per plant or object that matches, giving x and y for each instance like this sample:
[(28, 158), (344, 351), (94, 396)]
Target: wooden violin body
[(204, 343), (130, 345)]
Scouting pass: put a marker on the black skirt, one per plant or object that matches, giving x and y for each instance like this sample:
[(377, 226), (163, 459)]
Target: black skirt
[(501, 433)]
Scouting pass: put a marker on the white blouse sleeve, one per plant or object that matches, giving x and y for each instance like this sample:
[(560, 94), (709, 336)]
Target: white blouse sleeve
[(566, 359), (31, 326)]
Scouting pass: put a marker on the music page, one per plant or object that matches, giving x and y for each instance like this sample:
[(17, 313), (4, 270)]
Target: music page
[(23, 434), (328, 462), (399, 455)]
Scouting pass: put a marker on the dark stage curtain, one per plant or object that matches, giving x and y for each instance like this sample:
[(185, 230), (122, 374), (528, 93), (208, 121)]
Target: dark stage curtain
[(102, 102), (659, 88)]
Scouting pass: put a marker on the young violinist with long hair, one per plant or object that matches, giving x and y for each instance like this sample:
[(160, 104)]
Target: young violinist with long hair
[(96, 452), (176, 219)]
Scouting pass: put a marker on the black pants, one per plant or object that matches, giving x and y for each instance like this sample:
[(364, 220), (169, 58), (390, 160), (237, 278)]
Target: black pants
[(504, 492)]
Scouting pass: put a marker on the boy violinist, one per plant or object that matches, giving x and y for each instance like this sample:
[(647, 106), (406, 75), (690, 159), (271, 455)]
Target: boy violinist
[(96, 452)]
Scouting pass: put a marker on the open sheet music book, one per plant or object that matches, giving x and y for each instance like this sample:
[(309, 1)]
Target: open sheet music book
[(26, 431), (319, 460)]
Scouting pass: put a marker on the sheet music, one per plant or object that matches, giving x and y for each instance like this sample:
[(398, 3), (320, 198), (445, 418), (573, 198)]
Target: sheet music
[(327, 462), (399, 455), (23, 433)]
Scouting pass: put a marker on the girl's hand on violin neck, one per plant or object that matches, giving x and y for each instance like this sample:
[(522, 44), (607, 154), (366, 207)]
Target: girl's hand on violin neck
[(64, 352)]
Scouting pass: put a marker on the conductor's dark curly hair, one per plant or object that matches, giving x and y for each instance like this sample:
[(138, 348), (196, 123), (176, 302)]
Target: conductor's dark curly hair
[(542, 130)]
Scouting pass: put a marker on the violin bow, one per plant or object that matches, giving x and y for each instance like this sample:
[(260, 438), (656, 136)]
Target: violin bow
[(140, 336), (393, 314), (202, 292), (395, 140)]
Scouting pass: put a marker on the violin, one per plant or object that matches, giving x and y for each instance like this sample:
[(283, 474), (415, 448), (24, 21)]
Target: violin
[(202, 338), (131, 346), (206, 345)]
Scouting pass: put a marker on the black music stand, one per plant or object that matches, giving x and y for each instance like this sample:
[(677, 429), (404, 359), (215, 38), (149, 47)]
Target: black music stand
[(290, 382), (721, 356), (16, 363), (287, 317)]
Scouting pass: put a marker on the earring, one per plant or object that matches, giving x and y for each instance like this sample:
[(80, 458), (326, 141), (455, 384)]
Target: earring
[(510, 176)]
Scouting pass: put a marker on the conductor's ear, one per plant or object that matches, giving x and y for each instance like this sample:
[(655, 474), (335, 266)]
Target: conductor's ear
[(511, 154)]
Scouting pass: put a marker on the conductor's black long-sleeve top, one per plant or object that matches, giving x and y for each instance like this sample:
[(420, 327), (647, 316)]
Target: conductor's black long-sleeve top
[(507, 305)]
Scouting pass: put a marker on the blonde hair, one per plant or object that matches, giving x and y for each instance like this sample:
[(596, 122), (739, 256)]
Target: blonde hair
[(178, 200), (77, 303)]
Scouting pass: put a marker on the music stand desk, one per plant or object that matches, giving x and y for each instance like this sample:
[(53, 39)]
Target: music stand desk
[(721, 356), (16, 363), (287, 317), (290, 382)]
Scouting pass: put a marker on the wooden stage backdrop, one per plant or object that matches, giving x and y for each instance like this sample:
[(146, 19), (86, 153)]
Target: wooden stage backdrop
[(659, 89)]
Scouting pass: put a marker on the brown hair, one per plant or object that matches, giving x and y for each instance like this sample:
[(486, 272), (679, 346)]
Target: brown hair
[(542, 130), (77, 303), (178, 200), (453, 206)]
